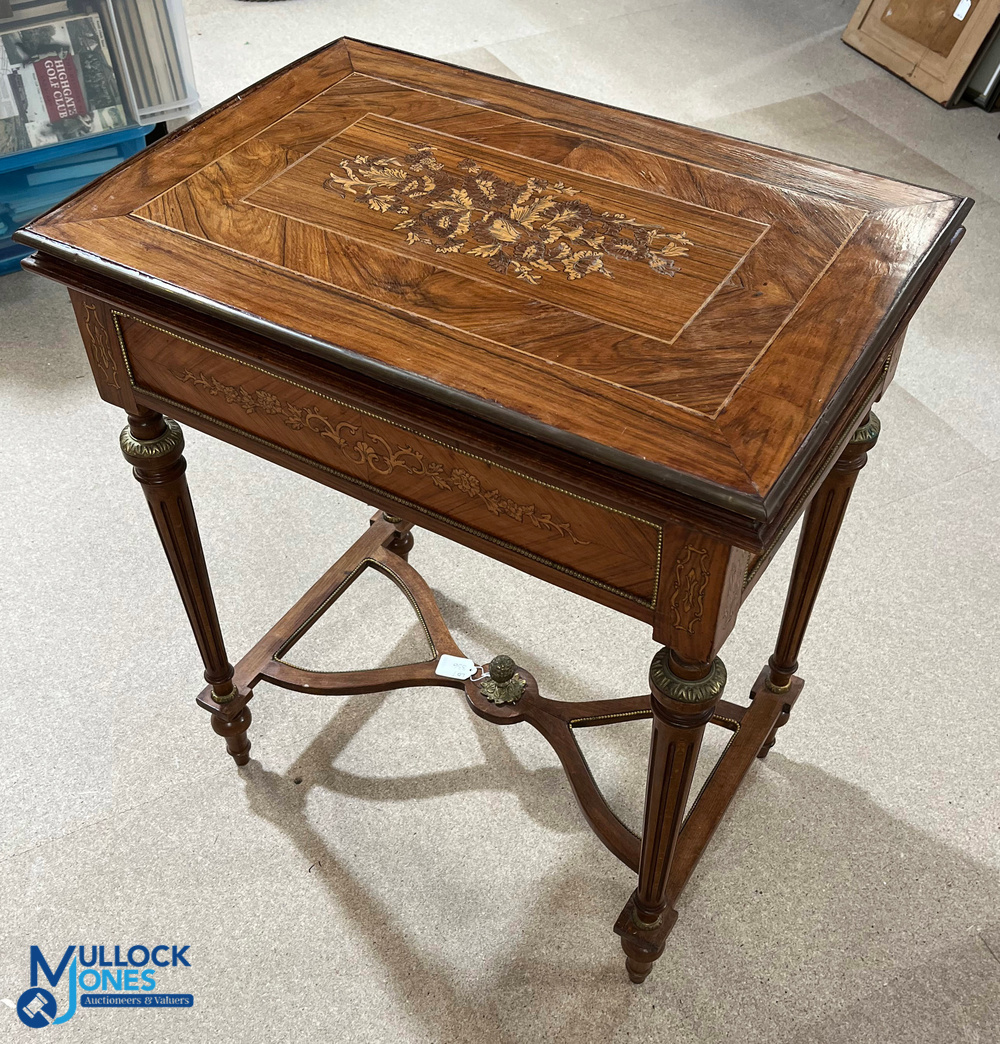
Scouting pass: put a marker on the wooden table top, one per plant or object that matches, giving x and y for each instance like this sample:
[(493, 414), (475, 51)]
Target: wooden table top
[(686, 307)]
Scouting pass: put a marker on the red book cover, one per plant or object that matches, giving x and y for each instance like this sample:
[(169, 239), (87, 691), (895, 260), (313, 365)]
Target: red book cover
[(60, 88)]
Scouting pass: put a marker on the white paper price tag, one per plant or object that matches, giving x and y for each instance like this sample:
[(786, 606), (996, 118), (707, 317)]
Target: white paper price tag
[(457, 667), (963, 9)]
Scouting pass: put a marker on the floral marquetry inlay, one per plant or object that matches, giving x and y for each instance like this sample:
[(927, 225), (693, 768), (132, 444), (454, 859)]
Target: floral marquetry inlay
[(366, 447), (521, 228)]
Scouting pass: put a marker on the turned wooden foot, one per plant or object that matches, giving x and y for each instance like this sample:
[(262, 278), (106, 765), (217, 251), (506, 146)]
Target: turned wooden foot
[(643, 941), (234, 732), (683, 699), (637, 970)]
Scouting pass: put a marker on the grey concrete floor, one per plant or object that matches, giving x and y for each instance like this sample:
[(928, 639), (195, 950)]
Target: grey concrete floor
[(430, 879)]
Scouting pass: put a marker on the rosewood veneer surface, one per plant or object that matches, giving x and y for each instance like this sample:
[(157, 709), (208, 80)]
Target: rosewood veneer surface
[(687, 308)]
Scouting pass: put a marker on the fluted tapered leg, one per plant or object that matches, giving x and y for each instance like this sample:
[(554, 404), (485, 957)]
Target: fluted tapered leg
[(816, 542), (153, 446), (684, 697)]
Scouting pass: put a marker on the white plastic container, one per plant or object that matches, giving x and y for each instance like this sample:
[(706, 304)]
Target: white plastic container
[(154, 46)]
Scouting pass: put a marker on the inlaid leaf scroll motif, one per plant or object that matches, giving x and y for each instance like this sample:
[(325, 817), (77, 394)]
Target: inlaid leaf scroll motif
[(687, 602), (524, 229), (100, 342), (369, 448)]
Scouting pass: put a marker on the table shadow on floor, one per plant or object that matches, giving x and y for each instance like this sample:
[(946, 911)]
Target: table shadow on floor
[(809, 891)]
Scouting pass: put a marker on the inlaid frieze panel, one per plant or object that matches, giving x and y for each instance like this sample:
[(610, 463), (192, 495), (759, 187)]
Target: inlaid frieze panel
[(608, 547)]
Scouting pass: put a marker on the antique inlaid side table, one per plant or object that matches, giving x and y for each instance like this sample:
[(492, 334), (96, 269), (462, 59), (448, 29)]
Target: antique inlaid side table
[(619, 354)]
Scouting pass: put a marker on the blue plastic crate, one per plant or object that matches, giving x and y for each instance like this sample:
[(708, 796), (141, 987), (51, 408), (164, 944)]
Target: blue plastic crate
[(33, 182)]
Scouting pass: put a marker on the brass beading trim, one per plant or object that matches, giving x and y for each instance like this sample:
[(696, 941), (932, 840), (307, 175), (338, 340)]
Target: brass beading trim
[(621, 716)]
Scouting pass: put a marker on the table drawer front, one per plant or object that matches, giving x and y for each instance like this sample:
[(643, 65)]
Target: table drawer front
[(598, 543)]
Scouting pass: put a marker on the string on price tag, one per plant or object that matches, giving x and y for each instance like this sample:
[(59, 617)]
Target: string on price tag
[(459, 667)]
